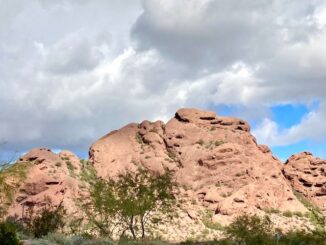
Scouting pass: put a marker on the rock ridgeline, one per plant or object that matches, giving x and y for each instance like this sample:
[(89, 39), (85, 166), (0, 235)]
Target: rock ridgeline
[(215, 160)]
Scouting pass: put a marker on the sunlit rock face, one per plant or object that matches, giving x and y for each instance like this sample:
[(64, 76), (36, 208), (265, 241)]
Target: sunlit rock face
[(216, 162), (215, 159), (51, 179), (307, 175)]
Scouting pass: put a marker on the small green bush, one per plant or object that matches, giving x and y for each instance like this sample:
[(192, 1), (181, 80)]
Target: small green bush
[(288, 214), (47, 221), (23, 232), (200, 142), (207, 221), (139, 138), (271, 210), (251, 230), (8, 235)]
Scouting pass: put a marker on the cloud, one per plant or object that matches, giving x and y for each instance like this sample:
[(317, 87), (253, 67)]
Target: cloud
[(73, 70), (312, 127), (74, 53), (214, 34)]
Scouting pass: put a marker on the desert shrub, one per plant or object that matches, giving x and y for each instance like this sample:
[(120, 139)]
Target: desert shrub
[(139, 138), (317, 236), (200, 142), (288, 214), (315, 214), (302, 238), (48, 220), (247, 229), (8, 235), (88, 172), (75, 226), (207, 221), (271, 210), (23, 232)]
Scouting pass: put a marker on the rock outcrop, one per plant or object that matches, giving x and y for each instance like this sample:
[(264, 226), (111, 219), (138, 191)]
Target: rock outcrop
[(215, 159), (218, 165), (49, 180), (307, 175)]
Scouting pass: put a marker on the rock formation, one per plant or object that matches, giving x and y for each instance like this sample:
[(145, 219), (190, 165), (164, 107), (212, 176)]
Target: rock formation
[(219, 168), (307, 175), (215, 159), (49, 180)]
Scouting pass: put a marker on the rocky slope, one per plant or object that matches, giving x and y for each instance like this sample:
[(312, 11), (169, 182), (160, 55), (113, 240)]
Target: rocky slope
[(307, 175), (215, 159), (221, 171), (49, 180)]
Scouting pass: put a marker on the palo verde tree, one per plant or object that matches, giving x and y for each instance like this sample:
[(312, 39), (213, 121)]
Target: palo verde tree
[(131, 200)]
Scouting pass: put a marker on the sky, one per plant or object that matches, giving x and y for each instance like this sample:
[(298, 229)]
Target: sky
[(72, 70)]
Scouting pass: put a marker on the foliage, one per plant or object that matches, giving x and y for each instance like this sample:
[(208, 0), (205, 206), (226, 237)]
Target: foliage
[(302, 237), (88, 172), (200, 142), (207, 221), (55, 238), (315, 214), (139, 138), (71, 168), (210, 145), (250, 230), (49, 219), (23, 232), (129, 202), (11, 176), (75, 226), (101, 209), (8, 235)]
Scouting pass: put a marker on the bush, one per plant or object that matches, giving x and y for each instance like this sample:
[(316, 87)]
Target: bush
[(251, 230), (48, 220), (22, 231), (8, 235)]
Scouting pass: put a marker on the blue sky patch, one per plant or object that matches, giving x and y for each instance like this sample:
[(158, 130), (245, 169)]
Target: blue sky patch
[(284, 152), (291, 114)]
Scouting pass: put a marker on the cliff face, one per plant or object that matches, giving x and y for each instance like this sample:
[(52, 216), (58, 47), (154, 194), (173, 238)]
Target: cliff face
[(215, 159)]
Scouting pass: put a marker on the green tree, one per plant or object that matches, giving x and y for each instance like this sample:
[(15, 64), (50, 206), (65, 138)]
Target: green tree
[(130, 201), (101, 208)]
